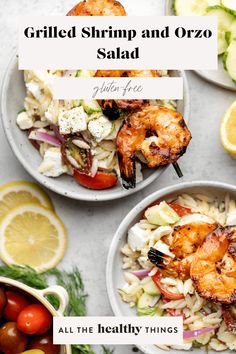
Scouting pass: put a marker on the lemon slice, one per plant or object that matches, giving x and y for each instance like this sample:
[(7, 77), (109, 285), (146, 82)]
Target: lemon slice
[(32, 235), (15, 193), (228, 130)]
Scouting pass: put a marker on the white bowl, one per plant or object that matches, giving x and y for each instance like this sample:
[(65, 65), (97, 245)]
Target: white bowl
[(39, 295), (114, 272), (13, 93)]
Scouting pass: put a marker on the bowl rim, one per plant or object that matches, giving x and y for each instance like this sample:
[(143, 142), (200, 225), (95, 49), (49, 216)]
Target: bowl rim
[(47, 181), (122, 230)]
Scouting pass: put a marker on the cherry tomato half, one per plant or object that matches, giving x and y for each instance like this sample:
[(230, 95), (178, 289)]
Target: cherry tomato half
[(12, 341), (34, 319), (168, 294), (44, 343), (102, 180), (16, 302), (180, 210)]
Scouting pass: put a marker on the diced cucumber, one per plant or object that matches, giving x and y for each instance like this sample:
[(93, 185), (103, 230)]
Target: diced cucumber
[(144, 301), (91, 106), (144, 309), (230, 5), (225, 21), (161, 214), (230, 60), (233, 31), (85, 73), (150, 288)]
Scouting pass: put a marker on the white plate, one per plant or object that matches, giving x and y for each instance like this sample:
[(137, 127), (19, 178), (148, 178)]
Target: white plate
[(114, 272), (13, 93), (218, 77)]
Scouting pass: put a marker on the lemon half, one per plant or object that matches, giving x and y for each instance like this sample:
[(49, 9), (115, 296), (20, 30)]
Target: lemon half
[(228, 130), (15, 193), (32, 235)]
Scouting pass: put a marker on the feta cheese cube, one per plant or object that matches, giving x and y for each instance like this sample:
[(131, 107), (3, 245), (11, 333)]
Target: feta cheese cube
[(52, 165), (72, 121), (34, 89), (137, 237), (100, 128), (24, 121)]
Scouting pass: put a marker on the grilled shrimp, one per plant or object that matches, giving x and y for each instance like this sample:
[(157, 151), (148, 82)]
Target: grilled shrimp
[(159, 133), (97, 8), (185, 241), (111, 108), (213, 269)]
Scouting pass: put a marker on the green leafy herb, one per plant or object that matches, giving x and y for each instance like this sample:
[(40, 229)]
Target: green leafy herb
[(107, 350), (22, 110), (82, 349)]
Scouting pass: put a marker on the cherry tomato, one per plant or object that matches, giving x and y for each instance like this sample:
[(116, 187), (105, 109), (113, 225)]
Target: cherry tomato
[(12, 341), (172, 296), (15, 304), (180, 210), (34, 319), (102, 180), (174, 312), (3, 301), (45, 343)]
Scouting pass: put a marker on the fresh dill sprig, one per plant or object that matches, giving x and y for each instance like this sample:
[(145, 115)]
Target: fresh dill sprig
[(73, 283), (82, 349), (107, 350), (26, 275)]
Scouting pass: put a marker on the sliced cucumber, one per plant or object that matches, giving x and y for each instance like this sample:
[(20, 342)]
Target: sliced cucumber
[(233, 31), (151, 289), (230, 60), (190, 7), (91, 106), (225, 21), (161, 214), (230, 5), (85, 73)]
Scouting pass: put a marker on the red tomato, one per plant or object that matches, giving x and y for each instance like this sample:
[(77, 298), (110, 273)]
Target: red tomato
[(172, 296), (45, 343), (174, 312), (3, 301), (102, 180), (34, 319), (180, 210), (16, 302)]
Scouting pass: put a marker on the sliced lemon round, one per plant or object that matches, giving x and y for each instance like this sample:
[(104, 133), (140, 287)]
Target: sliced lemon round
[(15, 193), (32, 235), (228, 130)]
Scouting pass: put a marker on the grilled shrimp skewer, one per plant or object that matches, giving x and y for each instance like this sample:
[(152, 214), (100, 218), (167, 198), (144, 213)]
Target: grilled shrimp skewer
[(111, 107), (213, 270), (159, 133), (186, 239), (97, 8)]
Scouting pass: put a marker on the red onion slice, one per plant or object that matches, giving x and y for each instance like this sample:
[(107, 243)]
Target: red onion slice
[(198, 332), (57, 133), (142, 273), (47, 138)]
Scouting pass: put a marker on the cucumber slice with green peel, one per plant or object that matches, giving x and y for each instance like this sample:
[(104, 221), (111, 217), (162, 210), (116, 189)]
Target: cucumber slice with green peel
[(84, 73), (233, 31), (91, 106), (161, 214), (190, 7), (230, 60), (151, 289), (230, 5), (225, 20), (144, 309)]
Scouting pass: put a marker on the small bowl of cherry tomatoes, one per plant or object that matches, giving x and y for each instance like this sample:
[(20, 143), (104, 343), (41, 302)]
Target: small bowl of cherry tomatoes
[(26, 318)]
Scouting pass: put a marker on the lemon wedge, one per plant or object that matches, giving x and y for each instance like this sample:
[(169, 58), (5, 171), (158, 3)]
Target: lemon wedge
[(15, 193), (32, 235), (228, 130)]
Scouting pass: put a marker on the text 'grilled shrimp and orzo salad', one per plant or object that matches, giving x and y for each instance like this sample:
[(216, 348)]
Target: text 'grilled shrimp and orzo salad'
[(99, 142), (180, 260)]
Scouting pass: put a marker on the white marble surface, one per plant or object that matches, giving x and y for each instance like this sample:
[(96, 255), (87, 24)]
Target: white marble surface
[(91, 226)]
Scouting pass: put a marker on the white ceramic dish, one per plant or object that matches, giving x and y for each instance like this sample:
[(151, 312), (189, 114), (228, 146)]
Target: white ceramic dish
[(39, 295), (218, 77), (114, 272), (13, 93)]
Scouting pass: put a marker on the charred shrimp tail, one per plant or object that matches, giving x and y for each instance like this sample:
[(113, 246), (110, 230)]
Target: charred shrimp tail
[(156, 257), (127, 172)]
